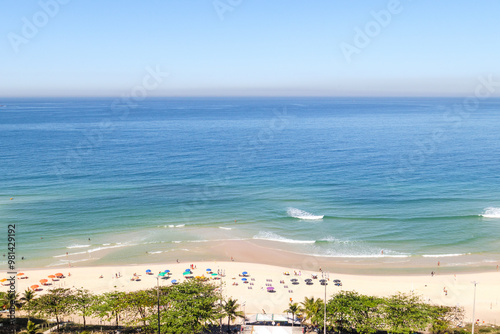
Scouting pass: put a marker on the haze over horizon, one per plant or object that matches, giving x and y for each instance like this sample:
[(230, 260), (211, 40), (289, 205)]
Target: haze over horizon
[(248, 48)]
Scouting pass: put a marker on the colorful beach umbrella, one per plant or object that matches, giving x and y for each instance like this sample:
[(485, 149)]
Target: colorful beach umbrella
[(270, 288), (20, 274), (34, 287), (215, 274), (148, 271), (59, 275), (244, 279), (167, 271), (244, 273), (174, 281), (43, 281), (208, 269), (162, 274), (186, 273)]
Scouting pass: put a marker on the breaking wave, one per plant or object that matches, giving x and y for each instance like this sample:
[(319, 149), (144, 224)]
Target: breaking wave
[(491, 213), (276, 237), (300, 214), (78, 246)]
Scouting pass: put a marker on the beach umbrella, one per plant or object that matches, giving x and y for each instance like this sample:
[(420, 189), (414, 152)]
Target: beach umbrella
[(162, 274), (34, 287), (51, 276), (208, 269), (294, 280), (270, 288), (188, 270), (174, 281), (20, 274), (59, 274), (215, 274), (43, 281), (167, 271), (244, 279), (148, 271), (186, 273), (244, 273)]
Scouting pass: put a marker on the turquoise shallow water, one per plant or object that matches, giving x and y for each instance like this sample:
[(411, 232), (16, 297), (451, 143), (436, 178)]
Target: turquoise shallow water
[(331, 177)]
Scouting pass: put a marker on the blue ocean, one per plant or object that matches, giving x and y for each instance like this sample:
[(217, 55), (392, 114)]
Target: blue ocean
[(336, 177)]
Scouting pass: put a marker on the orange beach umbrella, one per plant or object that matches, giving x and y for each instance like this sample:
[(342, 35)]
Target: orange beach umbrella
[(52, 276), (43, 281), (34, 287), (59, 274), (20, 274)]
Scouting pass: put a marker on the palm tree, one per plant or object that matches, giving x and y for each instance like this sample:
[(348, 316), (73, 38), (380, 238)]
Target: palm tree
[(230, 308), (293, 308), (312, 309), (10, 299), (31, 328), (27, 297)]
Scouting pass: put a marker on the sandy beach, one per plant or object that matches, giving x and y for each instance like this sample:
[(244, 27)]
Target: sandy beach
[(255, 298)]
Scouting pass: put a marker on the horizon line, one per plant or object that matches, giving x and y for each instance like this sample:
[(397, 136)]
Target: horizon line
[(243, 96)]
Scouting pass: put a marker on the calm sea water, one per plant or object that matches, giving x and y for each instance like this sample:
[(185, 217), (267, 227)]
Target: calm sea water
[(327, 176)]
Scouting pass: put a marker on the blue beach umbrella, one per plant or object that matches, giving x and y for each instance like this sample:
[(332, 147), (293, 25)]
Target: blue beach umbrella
[(167, 271), (208, 269), (244, 279), (148, 271), (244, 273), (174, 281)]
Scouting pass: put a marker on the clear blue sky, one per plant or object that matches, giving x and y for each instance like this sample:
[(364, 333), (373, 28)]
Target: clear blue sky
[(261, 47)]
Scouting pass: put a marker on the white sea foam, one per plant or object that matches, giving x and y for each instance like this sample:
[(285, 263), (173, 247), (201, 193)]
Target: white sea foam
[(171, 226), (93, 250), (78, 246), (334, 240), (444, 255), (118, 245), (225, 228), (275, 237), (176, 242), (361, 256), (157, 252), (491, 213), (180, 225), (300, 214)]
